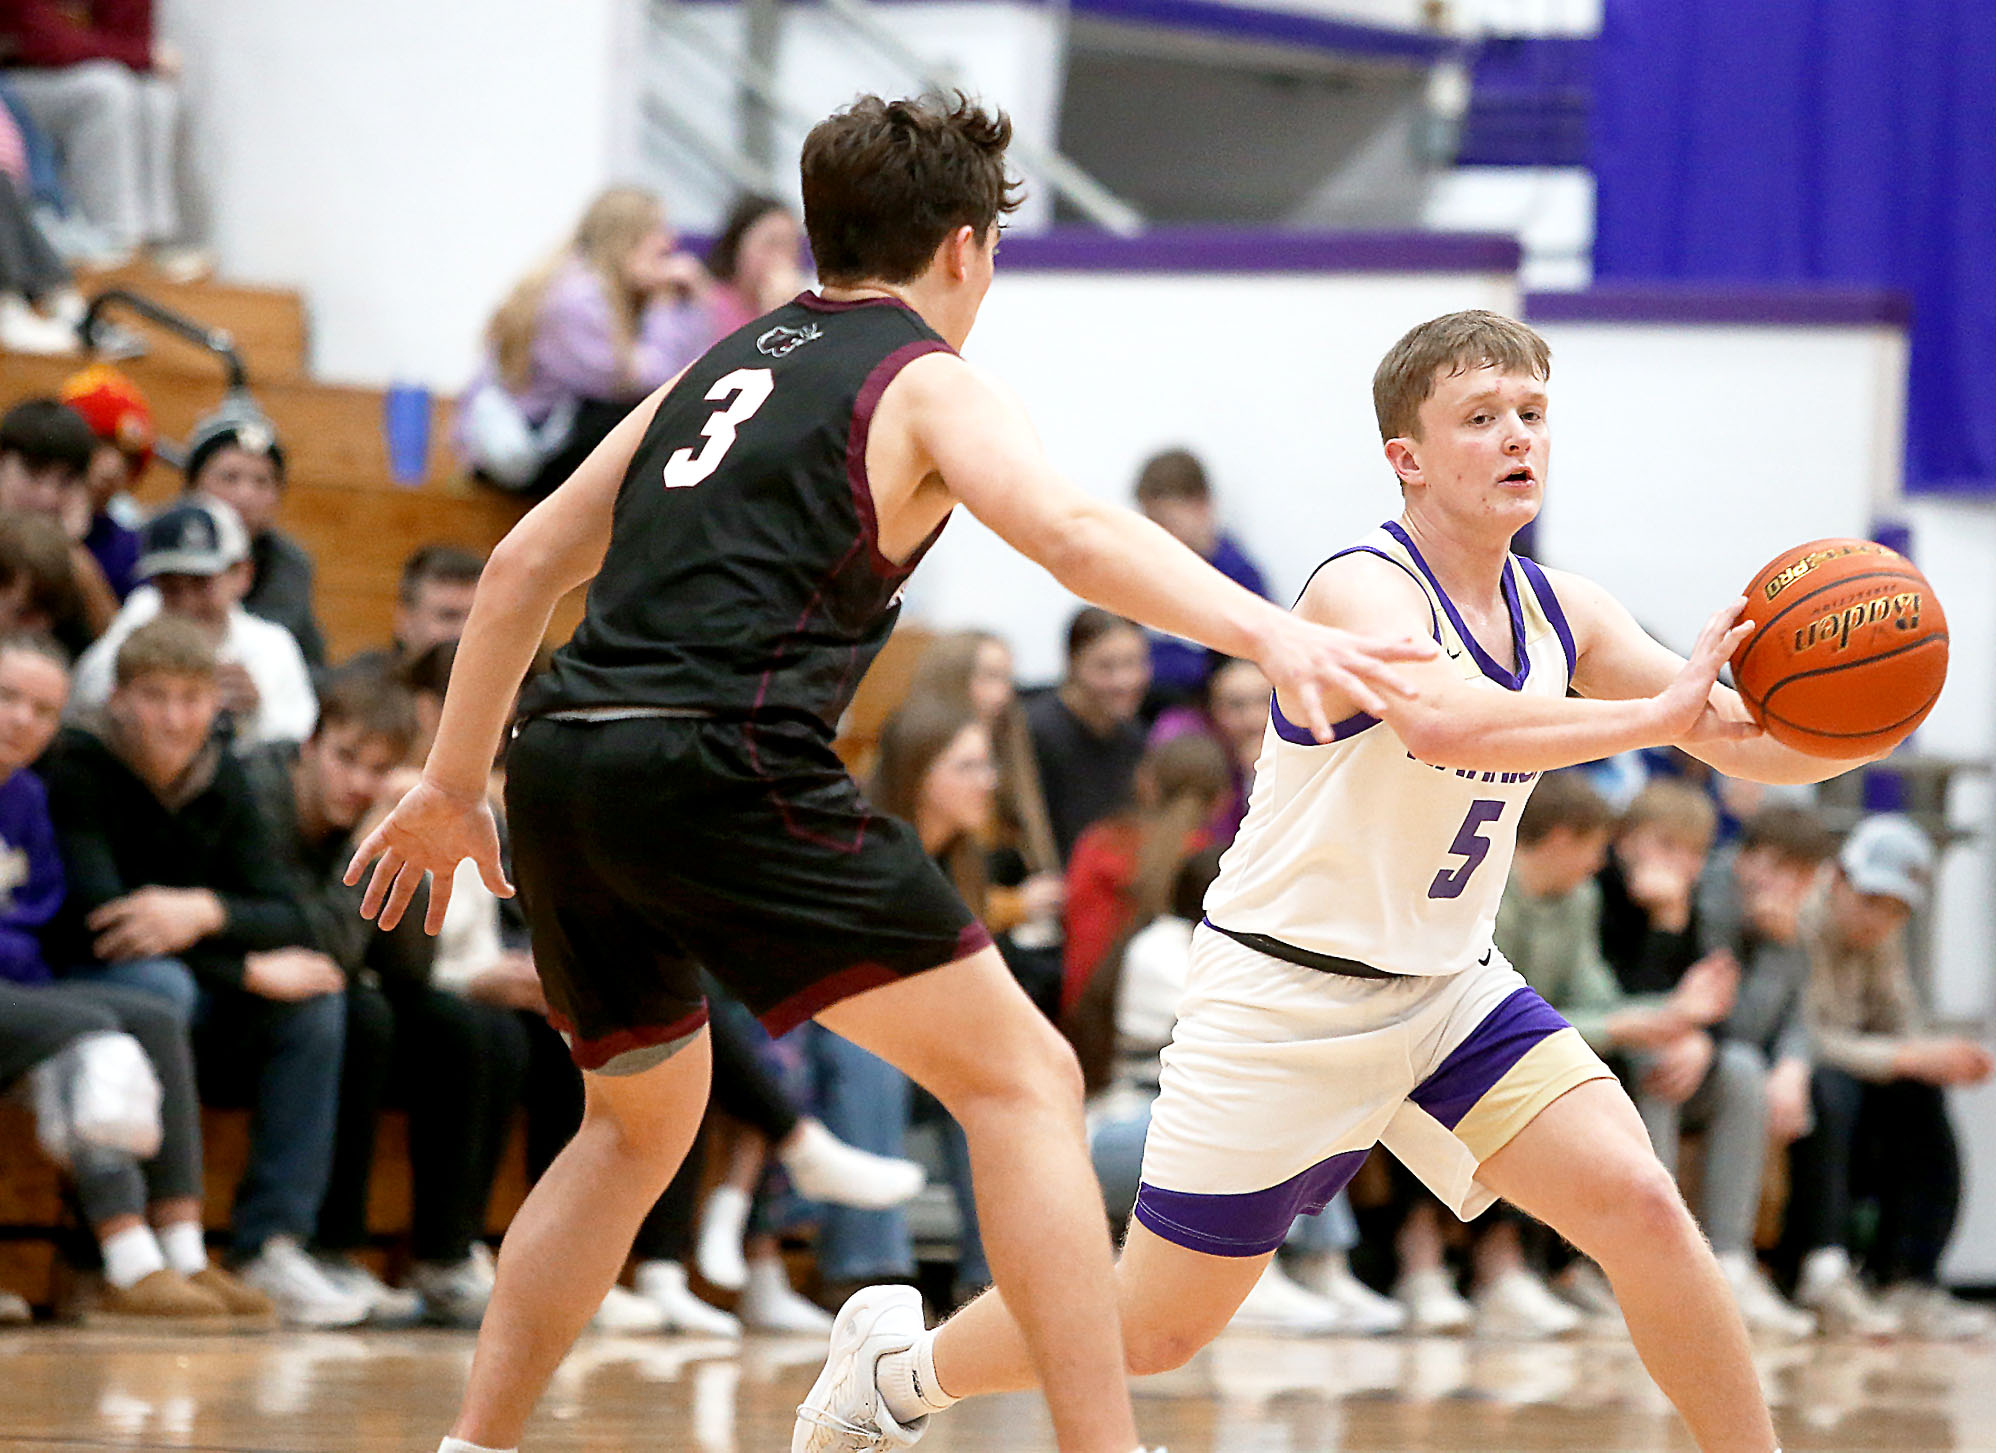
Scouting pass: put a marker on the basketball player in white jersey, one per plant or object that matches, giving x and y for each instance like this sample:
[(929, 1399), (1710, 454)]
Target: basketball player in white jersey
[(1344, 990)]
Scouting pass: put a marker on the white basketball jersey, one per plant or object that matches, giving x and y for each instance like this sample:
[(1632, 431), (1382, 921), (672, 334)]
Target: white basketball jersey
[(1355, 849)]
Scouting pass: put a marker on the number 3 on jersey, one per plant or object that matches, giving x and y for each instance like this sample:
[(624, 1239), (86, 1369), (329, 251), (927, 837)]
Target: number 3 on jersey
[(750, 388), (1470, 845)]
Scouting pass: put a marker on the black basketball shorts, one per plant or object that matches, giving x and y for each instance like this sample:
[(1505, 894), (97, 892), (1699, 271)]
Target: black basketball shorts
[(645, 849)]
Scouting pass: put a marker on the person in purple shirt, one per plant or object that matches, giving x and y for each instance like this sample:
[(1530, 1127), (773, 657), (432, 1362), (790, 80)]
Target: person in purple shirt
[(1173, 491), (580, 339)]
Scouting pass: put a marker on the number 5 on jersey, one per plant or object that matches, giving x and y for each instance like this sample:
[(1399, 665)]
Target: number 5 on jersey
[(750, 389), (1470, 845)]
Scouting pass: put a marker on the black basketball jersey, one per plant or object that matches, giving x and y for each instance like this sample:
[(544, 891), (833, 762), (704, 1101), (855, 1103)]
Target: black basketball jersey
[(744, 574)]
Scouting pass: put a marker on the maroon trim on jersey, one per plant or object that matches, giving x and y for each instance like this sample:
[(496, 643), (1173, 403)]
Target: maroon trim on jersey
[(857, 980), (593, 1054), (819, 304), (862, 427)]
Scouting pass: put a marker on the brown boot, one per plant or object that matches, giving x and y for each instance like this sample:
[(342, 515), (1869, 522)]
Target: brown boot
[(245, 1303), (164, 1298)]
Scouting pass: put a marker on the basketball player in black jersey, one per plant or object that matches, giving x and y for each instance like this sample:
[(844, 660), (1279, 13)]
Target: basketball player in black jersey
[(674, 799)]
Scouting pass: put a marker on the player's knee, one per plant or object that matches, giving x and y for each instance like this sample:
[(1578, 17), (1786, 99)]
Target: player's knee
[(1153, 1349), (1635, 1209), (1031, 1068)]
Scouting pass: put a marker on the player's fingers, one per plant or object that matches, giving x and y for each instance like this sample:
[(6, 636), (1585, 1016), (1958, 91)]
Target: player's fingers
[(1312, 702), (493, 874), (362, 855), (377, 886), (440, 891), (1356, 682), (1407, 648), (407, 880)]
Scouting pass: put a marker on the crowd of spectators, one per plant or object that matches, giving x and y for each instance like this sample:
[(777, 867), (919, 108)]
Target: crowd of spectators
[(183, 771)]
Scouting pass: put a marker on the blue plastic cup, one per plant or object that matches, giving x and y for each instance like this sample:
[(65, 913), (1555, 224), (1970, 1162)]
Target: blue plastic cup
[(406, 424)]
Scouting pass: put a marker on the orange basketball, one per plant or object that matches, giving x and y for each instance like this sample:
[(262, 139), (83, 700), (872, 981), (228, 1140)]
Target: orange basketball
[(1849, 649)]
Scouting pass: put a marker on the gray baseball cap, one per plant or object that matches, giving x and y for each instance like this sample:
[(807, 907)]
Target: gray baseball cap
[(1889, 855), (192, 536)]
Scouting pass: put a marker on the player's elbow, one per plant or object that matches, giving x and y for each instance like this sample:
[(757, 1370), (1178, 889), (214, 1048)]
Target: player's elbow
[(1434, 737)]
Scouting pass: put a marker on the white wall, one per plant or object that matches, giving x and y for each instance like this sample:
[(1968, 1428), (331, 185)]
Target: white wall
[(1267, 378), (402, 161)]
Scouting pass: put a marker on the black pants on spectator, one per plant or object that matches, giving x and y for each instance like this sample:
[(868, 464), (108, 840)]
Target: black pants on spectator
[(594, 419), (1890, 1143), (458, 1066)]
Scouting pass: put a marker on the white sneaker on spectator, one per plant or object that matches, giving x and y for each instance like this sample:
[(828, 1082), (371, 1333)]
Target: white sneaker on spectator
[(14, 1310), (303, 1294), (1930, 1312), (663, 1283), (1277, 1304), (718, 1251), (1367, 1313), (1585, 1286), (387, 1306), (1518, 1307), (624, 1310), (824, 1168), (453, 1293), (1763, 1308), (1432, 1303), (23, 330), (1830, 1288), (844, 1411), (770, 1304)]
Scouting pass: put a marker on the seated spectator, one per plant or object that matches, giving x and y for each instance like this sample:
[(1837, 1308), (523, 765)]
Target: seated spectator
[(1025, 892), (432, 603), (175, 889), (1120, 1029), (754, 263), (1233, 713), (1120, 875), (38, 589), (607, 319), (1173, 491), (145, 1212), (195, 565), (119, 416), (96, 78), (1880, 1101), (1693, 1067), (45, 452), (234, 459), (1649, 914), (1086, 735)]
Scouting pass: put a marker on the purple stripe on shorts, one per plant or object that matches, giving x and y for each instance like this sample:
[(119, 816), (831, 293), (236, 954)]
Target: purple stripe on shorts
[(1251, 1223), (1486, 1056)]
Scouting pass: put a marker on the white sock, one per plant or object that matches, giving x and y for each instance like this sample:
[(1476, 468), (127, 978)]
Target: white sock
[(183, 1247), (1823, 1266), (458, 1445), (131, 1255), (908, 1383)]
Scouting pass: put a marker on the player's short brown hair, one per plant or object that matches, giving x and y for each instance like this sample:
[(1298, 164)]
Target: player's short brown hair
[(1452, 343), (373, 701), (1563, 800), (1675, 809), (167, 645), (1790, 832), (885, 182), (1173, 474)]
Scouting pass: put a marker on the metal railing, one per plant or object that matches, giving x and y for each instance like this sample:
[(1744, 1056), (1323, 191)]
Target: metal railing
[(215, 341)]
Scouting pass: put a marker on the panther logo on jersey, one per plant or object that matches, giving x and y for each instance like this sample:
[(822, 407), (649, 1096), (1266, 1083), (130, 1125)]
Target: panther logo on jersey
[(780, 342)]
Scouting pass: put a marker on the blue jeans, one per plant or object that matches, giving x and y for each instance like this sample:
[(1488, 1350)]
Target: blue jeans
[(1116, 1146), (864, 1101), (165, 978)]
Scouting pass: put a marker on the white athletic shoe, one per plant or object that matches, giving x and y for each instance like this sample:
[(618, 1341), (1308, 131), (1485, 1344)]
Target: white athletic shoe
[(1367, 1313), (624, 1310), (718, 1252), (845, 1412), (1277, 1304), (663, 1283), (454, 1293), (304, 1296), (1763, 1308), (1432, 1303), (1518, 1307), (1930, 1312), (824, 1168), (770, 1304), (1585, 1285), (1844, 1308), (387, 1306)]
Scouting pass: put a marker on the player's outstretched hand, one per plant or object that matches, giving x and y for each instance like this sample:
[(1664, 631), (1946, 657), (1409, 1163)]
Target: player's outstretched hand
[(1304, 660), (1686, 704), (430, 831)]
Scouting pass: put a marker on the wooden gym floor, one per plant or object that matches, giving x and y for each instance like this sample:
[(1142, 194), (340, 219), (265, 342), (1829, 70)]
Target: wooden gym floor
[(65, 1389)]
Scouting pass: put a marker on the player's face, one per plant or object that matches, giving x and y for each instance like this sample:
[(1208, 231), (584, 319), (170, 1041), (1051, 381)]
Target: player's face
[(1484, 446)]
